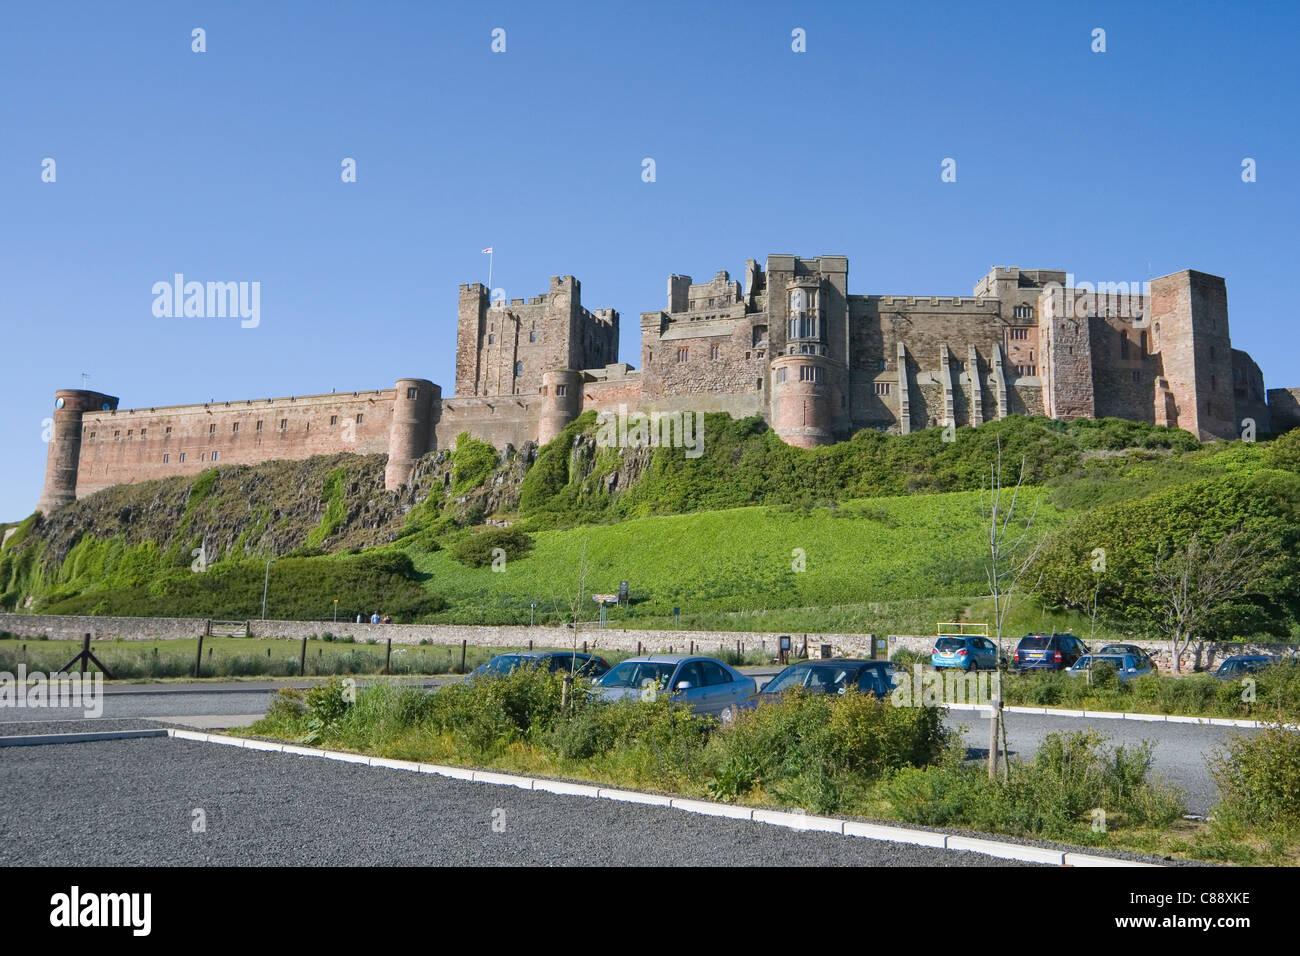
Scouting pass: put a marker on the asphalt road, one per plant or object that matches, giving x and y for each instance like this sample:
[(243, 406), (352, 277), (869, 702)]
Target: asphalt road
[(1180, 749), (134, 802)]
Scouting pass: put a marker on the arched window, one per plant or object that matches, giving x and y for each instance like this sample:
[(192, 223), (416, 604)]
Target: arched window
[(519, 369)]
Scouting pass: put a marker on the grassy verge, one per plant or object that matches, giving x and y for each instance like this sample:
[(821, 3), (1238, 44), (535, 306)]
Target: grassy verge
[(1272, 694), (234, 657), (850, 755)]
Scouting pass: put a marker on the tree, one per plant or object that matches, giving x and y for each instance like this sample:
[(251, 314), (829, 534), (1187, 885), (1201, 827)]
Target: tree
[(1013, 546), (575, 609), (1192, 582), (1013, 543)]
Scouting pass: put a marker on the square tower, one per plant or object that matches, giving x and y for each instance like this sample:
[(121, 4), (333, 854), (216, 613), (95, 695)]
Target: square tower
[(1189, 327), (505, 346)]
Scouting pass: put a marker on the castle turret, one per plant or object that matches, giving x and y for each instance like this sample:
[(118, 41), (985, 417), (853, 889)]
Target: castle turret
[(65, 445), (416, 408), (802, 403), (561, 402)]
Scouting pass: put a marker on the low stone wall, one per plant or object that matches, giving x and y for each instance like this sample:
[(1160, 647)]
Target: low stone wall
[(69, 627), (56, 627)]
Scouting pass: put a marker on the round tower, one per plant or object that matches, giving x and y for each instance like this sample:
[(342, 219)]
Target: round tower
[(417, 403), (561, 402), (802, 407), (70, 404)]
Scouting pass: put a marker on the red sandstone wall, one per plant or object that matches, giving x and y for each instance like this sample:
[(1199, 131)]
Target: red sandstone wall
[(128, 445), (608, 396), (500, 421)]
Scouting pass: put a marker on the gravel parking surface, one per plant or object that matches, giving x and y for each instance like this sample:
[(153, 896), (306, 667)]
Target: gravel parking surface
[(20, 728), (131, 802)]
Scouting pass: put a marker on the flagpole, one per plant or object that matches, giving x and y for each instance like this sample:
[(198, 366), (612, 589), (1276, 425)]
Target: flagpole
[(490, 255)]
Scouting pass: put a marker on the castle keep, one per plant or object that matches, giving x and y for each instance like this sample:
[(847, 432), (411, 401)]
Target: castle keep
[(790, 343)]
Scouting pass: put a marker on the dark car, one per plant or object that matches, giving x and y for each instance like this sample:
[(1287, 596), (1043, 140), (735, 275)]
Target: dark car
[(583, 665), (1242, 665), (1049, 652), (831, 677)]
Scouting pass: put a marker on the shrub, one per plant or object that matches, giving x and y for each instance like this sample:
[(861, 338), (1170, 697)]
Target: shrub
[(472, 461), (1054, 795), (288, 704), (1285, 452), (815, 749), (326, 707), (1259, 778), (491, 713), (479, 550), (905, 658)]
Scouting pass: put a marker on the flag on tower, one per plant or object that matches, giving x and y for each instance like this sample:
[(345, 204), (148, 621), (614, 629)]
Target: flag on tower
[(487, 251)]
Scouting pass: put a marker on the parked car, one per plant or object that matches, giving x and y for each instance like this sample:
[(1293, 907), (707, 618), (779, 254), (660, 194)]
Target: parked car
[(966, 653), (829, 677), (584, 665), (705, 684), (1126, 666), (1052, 652), (1128, 649), (1243, 664)]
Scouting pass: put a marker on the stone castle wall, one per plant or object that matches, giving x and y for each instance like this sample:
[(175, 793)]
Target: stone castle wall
[(792, 346), (130, 445)]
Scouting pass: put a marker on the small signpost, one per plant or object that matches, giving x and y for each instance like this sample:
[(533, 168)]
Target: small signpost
[(785, 647), (604, 600)]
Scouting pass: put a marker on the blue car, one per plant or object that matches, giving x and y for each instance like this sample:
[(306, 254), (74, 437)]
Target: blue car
[(834, 676), (1126, 665), (1242, 665), (964, 653), (584, 665), (706, 685)]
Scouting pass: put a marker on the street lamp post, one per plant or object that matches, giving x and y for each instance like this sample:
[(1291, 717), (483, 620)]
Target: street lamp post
[(265, 583)]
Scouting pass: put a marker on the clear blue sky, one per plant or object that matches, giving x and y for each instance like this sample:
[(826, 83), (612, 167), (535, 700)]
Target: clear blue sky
[(225, 166)]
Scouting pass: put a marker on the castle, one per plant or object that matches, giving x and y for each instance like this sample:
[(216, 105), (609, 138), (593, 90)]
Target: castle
[(791, 344)]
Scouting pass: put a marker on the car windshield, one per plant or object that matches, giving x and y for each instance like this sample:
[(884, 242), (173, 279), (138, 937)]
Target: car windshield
[(950, 643), (1096, 659), (503, 665), (638, 673), (1034, 643), (1118, 649), (829, 678)]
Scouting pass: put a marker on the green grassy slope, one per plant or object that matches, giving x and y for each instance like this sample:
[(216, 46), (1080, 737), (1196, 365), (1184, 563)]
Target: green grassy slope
[(886, 561), (887, 528)]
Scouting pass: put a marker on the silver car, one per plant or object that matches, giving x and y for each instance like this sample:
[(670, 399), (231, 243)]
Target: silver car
[(705, 684), (1125, 665)]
